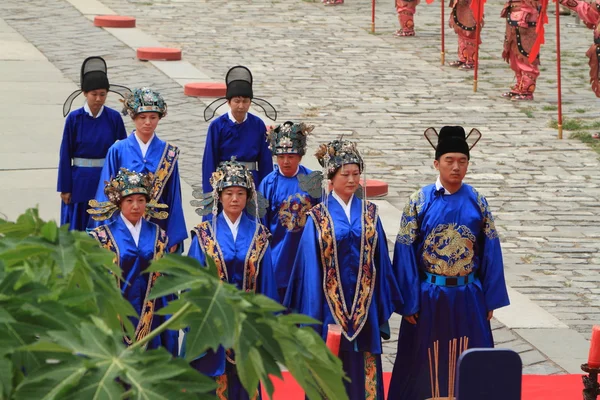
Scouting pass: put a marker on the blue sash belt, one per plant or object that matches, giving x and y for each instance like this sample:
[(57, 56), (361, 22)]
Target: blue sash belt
[(442, 280)]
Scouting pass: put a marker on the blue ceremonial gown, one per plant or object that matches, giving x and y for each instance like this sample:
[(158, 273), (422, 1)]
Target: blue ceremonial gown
[(235, 254), (306, 293), (246, 141), (127, 154), (133, 260), (285, 218), (90, 138), (449, 235)]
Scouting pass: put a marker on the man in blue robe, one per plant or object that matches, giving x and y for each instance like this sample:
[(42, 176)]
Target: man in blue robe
[(449, 266), (144, 152), (88, 134), (289, 200), (237, 133)]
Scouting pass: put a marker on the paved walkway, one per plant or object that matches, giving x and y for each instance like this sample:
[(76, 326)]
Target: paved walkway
[(321, 65)]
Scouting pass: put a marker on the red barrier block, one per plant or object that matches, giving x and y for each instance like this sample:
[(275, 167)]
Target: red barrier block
[(114, 21), (205, 89), (158, 53), (376, 188)]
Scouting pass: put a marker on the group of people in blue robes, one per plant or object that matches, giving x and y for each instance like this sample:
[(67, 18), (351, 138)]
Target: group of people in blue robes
[(307, 239)]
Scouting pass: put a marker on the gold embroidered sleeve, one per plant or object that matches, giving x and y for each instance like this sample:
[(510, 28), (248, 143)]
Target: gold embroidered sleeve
[(409, 226), (488, 225)]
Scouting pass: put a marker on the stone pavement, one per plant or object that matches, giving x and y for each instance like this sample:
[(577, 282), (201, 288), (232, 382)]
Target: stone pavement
[(321, 65)]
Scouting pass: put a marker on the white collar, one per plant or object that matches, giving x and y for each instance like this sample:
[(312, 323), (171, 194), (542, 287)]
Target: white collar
[(345, 207), (86, 108), (281, 173), (232, 118), (438, 186), (143, 146), (233, 226), (135, 230)]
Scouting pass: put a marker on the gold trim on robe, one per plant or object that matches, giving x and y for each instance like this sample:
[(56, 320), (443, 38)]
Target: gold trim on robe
[(165, 169), (354, 320)]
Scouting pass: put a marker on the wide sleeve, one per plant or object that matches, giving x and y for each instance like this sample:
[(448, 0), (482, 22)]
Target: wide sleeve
[(305, 290), (405, 265), (491, 271), (211, 156), (266, 190), (195, 251), (65, 179), (389, 298), (267, 284), (176, 222), (121, 133), (109, 170), (265, 159)]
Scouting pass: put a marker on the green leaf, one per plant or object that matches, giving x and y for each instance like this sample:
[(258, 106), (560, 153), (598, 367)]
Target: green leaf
[(5, 317), (65, 254), (213, 324), (51, 381), (6, 376), (50, 231)]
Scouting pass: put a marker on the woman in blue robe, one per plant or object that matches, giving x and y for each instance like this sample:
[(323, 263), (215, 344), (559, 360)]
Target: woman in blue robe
[(240, 248), (144, 152), (287, 191), (237, 133), (88, 134), (449, 263), (342, 272), (136, 242)]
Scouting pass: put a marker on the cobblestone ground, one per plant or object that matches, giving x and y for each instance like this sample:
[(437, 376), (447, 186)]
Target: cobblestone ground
[(322, 65)]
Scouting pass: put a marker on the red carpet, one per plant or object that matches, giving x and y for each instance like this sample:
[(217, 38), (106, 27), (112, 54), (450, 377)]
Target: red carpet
[(535, 387)]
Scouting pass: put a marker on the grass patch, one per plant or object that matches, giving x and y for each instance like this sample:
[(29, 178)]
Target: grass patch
[(575, 124), (576, 64), (550, 108), (580, 110), (587, 138), (528, 111)]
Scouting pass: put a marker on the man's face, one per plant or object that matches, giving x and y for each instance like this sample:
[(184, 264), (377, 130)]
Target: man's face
[(288, 163), (453, 168), (239, 107)]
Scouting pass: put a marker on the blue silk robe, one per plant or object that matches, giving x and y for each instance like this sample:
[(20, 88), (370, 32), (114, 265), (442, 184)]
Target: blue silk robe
[(127, 154), (450, 235), (246, 141), (133, 261), (285, 218), (361, 357), (90, 138), (234, 257)]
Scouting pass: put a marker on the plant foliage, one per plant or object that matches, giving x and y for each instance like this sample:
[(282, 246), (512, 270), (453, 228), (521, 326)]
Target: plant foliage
[(61, 335)]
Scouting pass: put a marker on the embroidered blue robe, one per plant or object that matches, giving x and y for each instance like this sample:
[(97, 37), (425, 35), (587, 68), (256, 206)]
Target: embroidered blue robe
[(235, 254), (307, 292), (90, 138), (246, 141), (133, 260), (285, 218), (127, 154), (450, 235)]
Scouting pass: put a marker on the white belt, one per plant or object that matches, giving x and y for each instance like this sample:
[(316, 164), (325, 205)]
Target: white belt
[(88, 162), (250, 165)]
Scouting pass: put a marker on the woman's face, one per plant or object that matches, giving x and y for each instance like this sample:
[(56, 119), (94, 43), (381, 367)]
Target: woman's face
[(346, 180), (233, 200), (95, 99), (133, 207), (145, 123), (288, 163)]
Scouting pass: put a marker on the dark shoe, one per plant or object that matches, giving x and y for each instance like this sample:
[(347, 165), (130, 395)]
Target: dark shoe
[(522, 97), (467, 67), (508, 95), (402, 33), (456, 63)]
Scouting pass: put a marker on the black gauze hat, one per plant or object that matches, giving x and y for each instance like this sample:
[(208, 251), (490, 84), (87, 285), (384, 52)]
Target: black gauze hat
[(452, 139), (239, 83), (93, 77)]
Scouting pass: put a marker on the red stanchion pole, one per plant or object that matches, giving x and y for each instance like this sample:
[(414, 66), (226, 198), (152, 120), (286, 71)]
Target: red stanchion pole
[(558, 82), (478, 20), (443, 52), (372, 16)]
